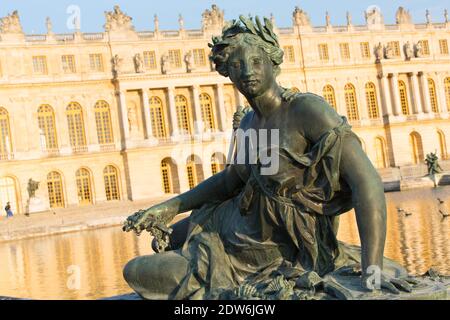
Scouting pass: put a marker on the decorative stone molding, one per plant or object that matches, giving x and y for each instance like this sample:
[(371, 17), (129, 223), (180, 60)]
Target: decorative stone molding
[(374, 18), (300, 18), (11, 24)]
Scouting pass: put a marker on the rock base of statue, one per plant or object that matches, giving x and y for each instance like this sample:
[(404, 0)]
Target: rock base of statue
[(36, 204)]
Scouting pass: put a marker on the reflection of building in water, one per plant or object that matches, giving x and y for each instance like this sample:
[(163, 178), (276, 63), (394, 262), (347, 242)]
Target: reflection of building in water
[(42, 268), (97, 136)]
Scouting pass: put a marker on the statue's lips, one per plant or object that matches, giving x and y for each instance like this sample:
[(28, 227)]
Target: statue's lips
[(250, 83)]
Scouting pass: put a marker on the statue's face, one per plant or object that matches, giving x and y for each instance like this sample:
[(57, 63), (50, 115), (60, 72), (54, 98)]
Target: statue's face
[(251, 70)]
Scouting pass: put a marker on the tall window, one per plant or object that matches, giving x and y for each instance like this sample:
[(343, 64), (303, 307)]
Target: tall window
[(111, 179), (76, 126), (403, 97), (416, 147), (217, 163), (68, 63), (184, 123), (96, 62), (365, 50), (380, 153), (371, 98), (8, 193), (103, 122), (46, 120), (166, 174), (199, 57), (289, 55), (194, 171), (447, 92), (150, 60), (40, 65), (328, 95), (433, 97), (323, 52), (5, 135), (175, 58), (345, 50), (55, 190), (350, 102), (395, 45), (207, 111), (443, 46), (157, 117), (442, 145), (425, 47), (84, 188)]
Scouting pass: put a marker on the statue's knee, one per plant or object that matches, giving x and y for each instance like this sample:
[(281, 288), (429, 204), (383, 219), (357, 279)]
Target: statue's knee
[(130, 271)]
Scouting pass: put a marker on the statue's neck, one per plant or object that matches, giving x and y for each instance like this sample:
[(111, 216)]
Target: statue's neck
[(267, 103)]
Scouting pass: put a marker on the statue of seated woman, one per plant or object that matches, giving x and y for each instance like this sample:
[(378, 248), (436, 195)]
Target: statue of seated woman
[(271, 236)]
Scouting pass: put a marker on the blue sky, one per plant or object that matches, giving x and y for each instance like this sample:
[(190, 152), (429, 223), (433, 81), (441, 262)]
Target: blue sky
[(34, 12)]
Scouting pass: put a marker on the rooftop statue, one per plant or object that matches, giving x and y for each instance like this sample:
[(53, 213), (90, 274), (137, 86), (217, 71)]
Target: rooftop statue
[(117, 20), (300, 18), (254, 234), (212, 19), (373, 16), (11, 23), (403, 16)]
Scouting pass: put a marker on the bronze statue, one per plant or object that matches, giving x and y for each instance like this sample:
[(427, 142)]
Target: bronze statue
[(256, 236)]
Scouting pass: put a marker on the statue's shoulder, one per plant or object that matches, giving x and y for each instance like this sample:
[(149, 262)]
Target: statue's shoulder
[(307, 102)]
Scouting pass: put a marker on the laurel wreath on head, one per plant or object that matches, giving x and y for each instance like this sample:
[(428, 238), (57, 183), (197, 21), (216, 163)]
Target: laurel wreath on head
[(246, 25)]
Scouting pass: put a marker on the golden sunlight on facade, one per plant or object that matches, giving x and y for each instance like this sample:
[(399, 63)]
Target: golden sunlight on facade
[(128, 115)]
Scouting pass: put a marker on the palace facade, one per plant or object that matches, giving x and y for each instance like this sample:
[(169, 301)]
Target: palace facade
[(126, 114)]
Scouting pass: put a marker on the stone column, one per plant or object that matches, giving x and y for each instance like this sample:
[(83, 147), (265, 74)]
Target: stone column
[(386, 95), (198, 121), (173, 111), (363, 107), (123, 111), (147, 116), (90, 127), (425, 93), (396, 105), (416, 93), (62, 130), (221, 107)]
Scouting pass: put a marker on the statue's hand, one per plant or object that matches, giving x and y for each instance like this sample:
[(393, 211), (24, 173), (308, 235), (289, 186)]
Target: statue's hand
[(157, 217), (380, 281)]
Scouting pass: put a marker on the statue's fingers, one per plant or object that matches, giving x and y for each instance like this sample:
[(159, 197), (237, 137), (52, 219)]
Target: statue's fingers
[(411, 280), (401, 285), (386, 284)]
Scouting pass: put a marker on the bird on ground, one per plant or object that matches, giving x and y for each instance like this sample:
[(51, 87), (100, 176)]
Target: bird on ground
[(440, 200), (401, 210), (443, 213)]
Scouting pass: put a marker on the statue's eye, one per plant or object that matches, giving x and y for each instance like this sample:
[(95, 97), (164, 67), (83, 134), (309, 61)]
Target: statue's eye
[(257, 60)]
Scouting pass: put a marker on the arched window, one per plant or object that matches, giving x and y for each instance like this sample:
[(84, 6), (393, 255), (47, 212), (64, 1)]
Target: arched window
[(372, 103), (169, 175), (442, 145), (380, 153), (111, 179), (350, 102), (194, 171), (447, 92), (403, 97), (207, 111), (433, 97), (157, 117), (46, 120), (166, 174), (328, 95), (415, 141), (184, 124), (103, 122), (84, 188), (55, 190), (217, 162), (5, 135), (8, 193), (76, 126)]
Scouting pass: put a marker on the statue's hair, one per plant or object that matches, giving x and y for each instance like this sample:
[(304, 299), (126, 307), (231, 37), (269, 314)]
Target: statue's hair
[(245, 31)]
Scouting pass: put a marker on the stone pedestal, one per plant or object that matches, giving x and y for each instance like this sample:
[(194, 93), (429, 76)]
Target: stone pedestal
[(36, 205)]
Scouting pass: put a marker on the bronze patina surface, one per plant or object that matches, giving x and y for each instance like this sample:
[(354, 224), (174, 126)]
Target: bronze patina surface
[(256, 236)]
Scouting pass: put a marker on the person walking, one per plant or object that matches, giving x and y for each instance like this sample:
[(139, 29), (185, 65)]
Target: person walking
[(8, 210)]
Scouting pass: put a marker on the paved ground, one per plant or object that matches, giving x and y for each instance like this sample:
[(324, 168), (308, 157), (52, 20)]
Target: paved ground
[(70, 219)]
